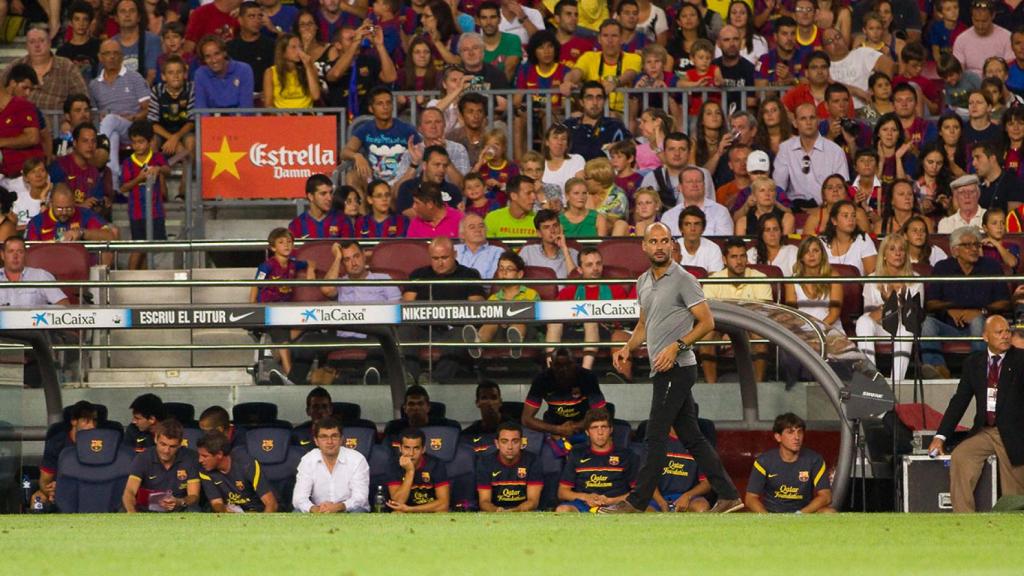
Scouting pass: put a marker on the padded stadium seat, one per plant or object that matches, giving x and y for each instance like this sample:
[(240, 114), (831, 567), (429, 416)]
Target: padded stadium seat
[(309, 294), (252, 414), (512, 410), (380, 460), (101, 412), (318, 253), (625, 253), (923, 269), (65, 260), (771, 272), (696, 271), (534, 441), (359, 439), (941, 241), (570, 242), (402, 255), (347, 411), (438, 409), (191, 437), (92, 473), (271, 447), (799, 219), (546, 291), (853, 297), (181, 411), (498, 243), (443, 443), (394, 273)]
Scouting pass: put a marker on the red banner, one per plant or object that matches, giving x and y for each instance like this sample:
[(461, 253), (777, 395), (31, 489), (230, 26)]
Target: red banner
[(265, 156)]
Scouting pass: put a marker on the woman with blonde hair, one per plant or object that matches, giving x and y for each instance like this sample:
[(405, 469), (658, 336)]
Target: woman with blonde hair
[(895, 261), (762, 191), (292, 81), (578, 220), (823, 301), (646, 207), (604, 196)]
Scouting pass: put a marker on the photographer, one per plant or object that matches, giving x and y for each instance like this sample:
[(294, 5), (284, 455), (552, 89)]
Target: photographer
[(851, 134)]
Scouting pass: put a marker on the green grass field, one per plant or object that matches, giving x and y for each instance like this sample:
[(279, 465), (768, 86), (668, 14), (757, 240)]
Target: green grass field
[(455, 544)]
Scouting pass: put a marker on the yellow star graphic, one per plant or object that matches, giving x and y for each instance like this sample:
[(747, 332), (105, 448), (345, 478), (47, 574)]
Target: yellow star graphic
[(224, 160)]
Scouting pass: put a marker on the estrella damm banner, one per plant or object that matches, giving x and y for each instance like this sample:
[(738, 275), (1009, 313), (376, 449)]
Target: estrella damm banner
[(265, 156)]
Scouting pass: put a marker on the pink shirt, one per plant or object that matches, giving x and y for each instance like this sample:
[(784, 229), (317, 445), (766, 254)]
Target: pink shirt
[(448, 226), (972, 50), (646, 158)]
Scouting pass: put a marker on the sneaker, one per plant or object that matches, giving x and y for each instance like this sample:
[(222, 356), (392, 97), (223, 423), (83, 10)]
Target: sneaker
[(279, 379), (469, 336), (725, 506), (371, 377), (623, 507), (514, 337)]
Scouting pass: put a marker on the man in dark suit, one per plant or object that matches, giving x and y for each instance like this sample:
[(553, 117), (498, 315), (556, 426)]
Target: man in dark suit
[(993, 378)]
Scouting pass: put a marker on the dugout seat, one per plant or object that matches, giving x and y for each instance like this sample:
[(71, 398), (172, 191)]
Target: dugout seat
[(351, 415), (65, 260), (271, 447), (511, 410), (92, 473), (627, 253), (442, 442), (380, 460), (185, 414), (360, 439), (402, 255), (253, 414)]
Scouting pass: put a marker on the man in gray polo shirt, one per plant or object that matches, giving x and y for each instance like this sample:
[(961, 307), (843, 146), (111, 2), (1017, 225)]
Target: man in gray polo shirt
[(14, 270), (673, 315), (121, 96)]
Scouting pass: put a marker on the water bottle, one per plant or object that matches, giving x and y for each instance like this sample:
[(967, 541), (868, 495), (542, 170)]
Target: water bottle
[(26, 487), (37, 504), (378, 500)]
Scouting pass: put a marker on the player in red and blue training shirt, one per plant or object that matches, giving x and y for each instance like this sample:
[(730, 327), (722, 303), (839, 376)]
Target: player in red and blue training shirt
[(417, 482), (280, 266), (598, 474), (511, 479), (320, 220), (65, 222), (143, 166)]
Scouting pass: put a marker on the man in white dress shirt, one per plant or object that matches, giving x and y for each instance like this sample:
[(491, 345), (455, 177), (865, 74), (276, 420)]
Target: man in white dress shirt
[(14, 270), (331, 478), (717, 217), (806, 160)]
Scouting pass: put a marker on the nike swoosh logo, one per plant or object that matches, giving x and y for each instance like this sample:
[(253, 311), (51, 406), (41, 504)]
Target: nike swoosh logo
[(772, 475), (233, 318), (217, 483), (494, 474), (584, 460), (305, 442), (152, 477), (46, 230), (510, 311)]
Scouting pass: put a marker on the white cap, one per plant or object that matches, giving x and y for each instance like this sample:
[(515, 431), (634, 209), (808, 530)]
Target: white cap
[(758, 161)]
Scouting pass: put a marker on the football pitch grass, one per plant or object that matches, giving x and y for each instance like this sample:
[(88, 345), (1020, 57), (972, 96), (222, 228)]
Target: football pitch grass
[(496, 545)]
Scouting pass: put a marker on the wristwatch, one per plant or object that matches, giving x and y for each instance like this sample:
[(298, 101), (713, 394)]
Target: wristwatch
[(682, 346)]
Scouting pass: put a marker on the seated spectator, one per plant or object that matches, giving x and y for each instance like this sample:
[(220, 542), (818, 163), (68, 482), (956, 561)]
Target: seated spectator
[(432, 217), (622, 155), (76, 170), (596, 67), (734, 252), (811, 90), (833, 190), (879, 100), (979, 126), (121, 96), (983, 39), (646, 206), (65, 222), (762, 191), (590, 133), (821, 301), (548, 195), (143, 177), (436, 167), (894, 262), (769, 247), (443, 266), (682, 487), (960, 308), (668, 178), (147, 411), (966, 195), (170, 110), (604, 196), (570, 390), (376, 148), (511, 479), (231, 479), (577, 219), (510, 267), (758, 166), (380, 220), (77, 110), (221, 82), (14, 271), (430, 123), (782, 65), (83, 416), (866, 186), (21, 81), (474, 251), (475, 193), (694, 247), (552, 251), (711, 137), (318, 407), (495, 164), (164, 477), (717, 220), (773, 126), (792, 479), (331, 478), (897, 156), (347, 202), (591, 265), (728, 192), (488, 402), (805, 160), (218, 17), (898, 207), (472, 115), (845, 242), (417, 482), (993, 247), (251, 45), (20, 137), (516, 219), (82, 49), (280, 266), (559, 164), (581, 488), (920, 249), (999, 188), (319, 220)]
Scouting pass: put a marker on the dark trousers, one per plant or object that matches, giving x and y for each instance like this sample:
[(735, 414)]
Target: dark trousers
[(673, 405)]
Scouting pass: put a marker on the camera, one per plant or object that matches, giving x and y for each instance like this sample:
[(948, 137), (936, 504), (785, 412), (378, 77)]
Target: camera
[(850, 126)]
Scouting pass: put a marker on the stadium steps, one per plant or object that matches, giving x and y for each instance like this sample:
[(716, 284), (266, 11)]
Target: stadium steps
[(169, 377), (13, 51), (170, 295)]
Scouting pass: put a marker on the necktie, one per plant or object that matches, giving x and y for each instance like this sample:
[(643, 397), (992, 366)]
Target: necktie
[(993, 382)]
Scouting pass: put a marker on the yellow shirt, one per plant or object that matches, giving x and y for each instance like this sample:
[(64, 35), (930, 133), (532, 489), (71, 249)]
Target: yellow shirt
[(592, 13), (595, 68), (722, 7), (738, 291), (291, 94)]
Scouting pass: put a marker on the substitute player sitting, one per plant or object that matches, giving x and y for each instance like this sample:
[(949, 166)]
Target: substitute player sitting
[(792, 479), (598, 474), (511, 479), (683, 487)]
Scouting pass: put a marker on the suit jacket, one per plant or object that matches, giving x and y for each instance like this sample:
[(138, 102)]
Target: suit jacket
[(1009, 400)]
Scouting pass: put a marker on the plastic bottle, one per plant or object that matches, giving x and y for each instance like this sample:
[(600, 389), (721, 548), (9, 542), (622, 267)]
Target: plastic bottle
[(26, 487), (378, 500)]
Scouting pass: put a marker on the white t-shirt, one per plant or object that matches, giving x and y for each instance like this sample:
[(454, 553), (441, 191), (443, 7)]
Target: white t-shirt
[(855, 69), (873, 296), (572, 164), (708, 256), (863, 247), (26, 207), (956, 220), (784, 260), (656, 23), (752, 56), (514, 27)]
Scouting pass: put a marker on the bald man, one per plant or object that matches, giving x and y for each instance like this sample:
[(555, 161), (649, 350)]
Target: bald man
[(806, 160), (121, 96), (992, 378)]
